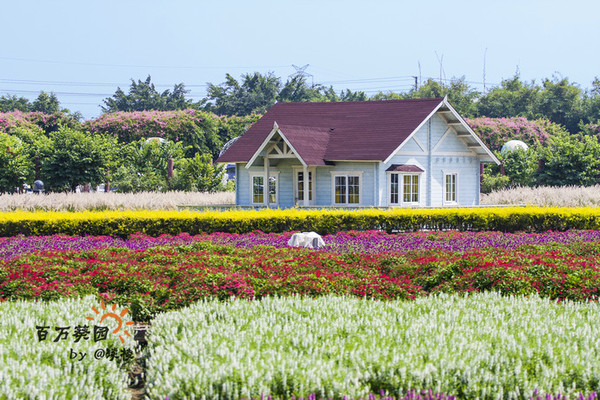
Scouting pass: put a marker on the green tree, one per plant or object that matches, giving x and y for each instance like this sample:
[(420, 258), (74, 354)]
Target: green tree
[(569, 160), (561, 102), (143, 96), (11, 103), (512, 99), (520, 166), (460, 94), (297, 90), (199, 174), (17, 167), (255, 94), (590, 105), (74, 158), (145, 166), (46, 103)]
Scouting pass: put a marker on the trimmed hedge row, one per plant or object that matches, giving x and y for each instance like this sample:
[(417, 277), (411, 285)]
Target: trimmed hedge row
[(155, 223)]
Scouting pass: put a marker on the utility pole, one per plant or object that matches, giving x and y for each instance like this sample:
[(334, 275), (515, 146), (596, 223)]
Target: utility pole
[(301, 72), (484, 56)]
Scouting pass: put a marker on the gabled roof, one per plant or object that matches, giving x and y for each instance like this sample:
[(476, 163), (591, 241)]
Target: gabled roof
[(338, 131), (404, 168)]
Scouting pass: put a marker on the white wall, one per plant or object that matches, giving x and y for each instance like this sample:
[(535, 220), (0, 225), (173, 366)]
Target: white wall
[(449, 155)]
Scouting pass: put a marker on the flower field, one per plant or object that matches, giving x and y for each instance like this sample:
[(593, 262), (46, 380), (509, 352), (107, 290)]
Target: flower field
[(483, 346), (35, 369), (368, 313), (169, 272)]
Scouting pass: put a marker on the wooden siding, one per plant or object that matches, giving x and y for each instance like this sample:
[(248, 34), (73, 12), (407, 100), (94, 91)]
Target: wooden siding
[(449, 155)]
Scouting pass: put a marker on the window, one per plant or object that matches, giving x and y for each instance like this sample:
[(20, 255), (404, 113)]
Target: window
[(404, 188), (410, 189), (258, 188), (340, 189), (346, 188), (394, 189), (272, 189), (301, 186), (353, 190), (451, 183)]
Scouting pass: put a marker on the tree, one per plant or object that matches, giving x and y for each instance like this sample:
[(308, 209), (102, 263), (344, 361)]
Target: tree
[(199, 174), (143, 96), (46, 103), (297, 90), (12, 103), (460, 95), (570, 160), (512, 99), (16, 166), (256, 94), (560, 101), (145, 166), (74, 158), (590, 109), (520, 166)]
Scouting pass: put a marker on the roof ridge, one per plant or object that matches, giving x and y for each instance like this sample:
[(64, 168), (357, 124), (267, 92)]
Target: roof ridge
[(360, 101)]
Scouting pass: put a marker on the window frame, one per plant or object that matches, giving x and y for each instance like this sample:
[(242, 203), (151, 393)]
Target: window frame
[(311, 171), (445, 187), (347, 175), (272, 174), (400, 194)]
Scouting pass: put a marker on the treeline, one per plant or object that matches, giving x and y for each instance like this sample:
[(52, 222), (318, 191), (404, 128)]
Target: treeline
[(132, 152), (556, 118)]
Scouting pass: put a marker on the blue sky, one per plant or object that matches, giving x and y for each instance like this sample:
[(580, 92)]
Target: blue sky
[(83, 50)]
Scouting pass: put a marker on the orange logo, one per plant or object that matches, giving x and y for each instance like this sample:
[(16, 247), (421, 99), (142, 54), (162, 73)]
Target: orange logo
[(117, 317)]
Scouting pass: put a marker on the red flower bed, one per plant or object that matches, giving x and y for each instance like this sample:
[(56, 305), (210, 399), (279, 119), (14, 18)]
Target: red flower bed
[(164, 278)]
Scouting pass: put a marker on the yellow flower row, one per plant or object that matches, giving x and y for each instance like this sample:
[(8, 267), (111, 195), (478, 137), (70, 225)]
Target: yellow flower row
[(156, 222)]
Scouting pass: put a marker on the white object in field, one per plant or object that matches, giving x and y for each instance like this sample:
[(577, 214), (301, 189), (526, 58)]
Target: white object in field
[(310, 240), (513, 145)]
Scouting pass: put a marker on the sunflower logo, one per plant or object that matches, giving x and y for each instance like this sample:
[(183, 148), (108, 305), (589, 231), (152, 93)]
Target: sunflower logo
[(117, 317)]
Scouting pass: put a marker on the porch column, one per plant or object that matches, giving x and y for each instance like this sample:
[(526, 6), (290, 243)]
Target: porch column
[(266, 182), (306, 194)]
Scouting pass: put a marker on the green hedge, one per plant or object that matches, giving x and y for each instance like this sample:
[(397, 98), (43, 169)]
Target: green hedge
[(124, 223)]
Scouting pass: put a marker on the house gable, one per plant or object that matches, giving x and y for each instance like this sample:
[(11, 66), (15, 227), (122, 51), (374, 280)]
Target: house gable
[(457, 138), (414, 146)]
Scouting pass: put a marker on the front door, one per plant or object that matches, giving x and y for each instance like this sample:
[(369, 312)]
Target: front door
[(299, 187)]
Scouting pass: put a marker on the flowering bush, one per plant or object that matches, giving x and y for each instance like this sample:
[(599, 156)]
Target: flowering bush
[(47, 122), (204, 132), (495, 132)]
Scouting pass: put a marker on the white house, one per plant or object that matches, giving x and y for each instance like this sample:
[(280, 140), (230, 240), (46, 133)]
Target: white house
[(417, 152)]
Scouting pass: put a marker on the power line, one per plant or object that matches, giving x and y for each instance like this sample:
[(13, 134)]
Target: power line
[(140, 66), (65, 83)]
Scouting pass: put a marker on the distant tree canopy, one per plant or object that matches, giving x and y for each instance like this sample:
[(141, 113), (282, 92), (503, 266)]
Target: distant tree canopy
[(556, 99), (257, 93), (143, 96), (46, 102), (558, 120)]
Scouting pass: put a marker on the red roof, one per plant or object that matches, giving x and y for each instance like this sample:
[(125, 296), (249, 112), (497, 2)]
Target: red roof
[(404, 168), (319, 132)]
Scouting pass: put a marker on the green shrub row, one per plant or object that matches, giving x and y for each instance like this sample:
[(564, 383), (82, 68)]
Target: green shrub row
[(154, 223)]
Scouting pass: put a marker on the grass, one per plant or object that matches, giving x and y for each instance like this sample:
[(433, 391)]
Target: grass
[(111, 201), (569, 196), (564, 196)]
